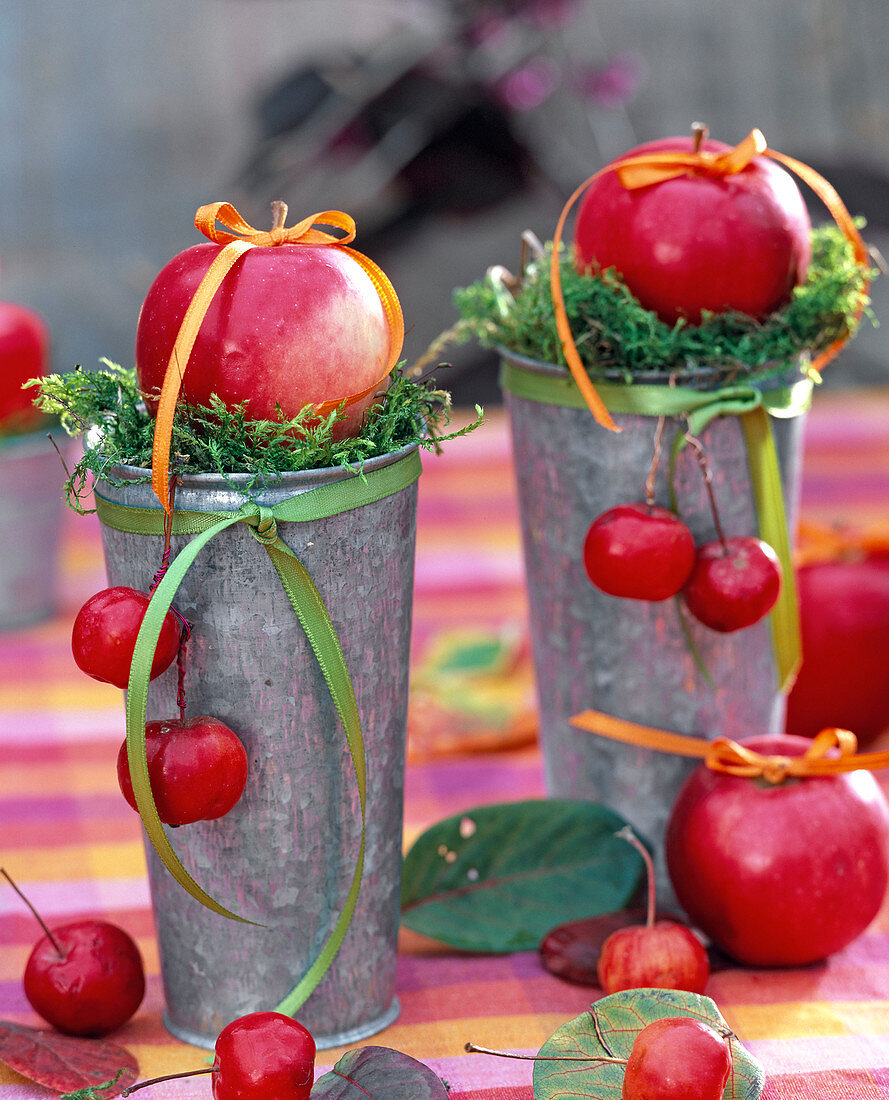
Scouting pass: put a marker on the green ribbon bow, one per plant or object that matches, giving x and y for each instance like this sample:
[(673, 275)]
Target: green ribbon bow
[(326, 500), (753, 406)]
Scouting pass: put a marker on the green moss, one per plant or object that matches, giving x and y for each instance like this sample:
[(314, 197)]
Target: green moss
[(106, 405), (614, 332)]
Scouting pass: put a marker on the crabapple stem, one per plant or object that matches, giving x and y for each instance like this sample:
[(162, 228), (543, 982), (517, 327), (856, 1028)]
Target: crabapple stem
[(700, 131), (472, 1048), (698, 449), (627, 834), (169, 1077), (655, 461), (37, 916)]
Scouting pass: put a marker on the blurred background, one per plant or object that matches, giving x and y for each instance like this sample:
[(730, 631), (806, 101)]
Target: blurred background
[(446, 127)]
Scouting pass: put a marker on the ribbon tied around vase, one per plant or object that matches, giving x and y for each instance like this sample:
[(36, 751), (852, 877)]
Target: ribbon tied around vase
[(353, 491), (753, 405), (236, 239), (832, 751)]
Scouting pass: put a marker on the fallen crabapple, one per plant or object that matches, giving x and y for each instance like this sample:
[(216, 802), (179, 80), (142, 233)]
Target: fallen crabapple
[(104, 635), (638, 551), (260, 1056), (660, 954), (197, 769), (734, 583), (84, 978), (677, 1058)]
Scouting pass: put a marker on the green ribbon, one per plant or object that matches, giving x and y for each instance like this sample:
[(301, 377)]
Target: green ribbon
[(754, 406), (318, 503)]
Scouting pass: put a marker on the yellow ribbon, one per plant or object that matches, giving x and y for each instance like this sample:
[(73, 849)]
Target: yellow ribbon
[(648, 169), (831, 751), (237, 238)]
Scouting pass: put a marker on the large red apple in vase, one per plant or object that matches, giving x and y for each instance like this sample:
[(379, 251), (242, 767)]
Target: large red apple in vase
[(292, 324), (698, 242)]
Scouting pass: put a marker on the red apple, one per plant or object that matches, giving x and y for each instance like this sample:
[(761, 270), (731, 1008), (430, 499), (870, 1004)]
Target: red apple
[(660, 954), (734, 583), (197, 769), (677, 1058), (291, 325), (638, 551), (694, 243), (779, 874), (86, 979), (844, 621), (24, 344)]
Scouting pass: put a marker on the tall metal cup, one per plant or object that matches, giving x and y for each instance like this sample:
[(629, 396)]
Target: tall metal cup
[(285, 855), (31, 511), (630, 658)]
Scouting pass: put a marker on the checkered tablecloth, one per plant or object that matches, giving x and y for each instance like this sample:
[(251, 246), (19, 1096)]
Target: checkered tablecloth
[(75, 847)]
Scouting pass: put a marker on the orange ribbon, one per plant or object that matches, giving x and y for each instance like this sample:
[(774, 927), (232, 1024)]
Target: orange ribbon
[(648, 169), (831, 751), (819, 543), (240, 238)]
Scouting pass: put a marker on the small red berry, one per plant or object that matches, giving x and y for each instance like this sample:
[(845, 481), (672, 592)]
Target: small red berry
[(639, 551), (263, 1056), (197, 769), (734, 583), (677, 1058), (92, 985), (104, 635)]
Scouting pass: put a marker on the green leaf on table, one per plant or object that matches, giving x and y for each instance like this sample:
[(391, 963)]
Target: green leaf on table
[(65, 1063), (610, 1028), (379, 1073), (498, 878)]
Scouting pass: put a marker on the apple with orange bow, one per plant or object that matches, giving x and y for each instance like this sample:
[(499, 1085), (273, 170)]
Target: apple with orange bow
[(730, 233), (279, 319)]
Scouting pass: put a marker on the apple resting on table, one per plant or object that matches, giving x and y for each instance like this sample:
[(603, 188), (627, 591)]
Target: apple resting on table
[(291, 325), (696, 243), (779, 874)]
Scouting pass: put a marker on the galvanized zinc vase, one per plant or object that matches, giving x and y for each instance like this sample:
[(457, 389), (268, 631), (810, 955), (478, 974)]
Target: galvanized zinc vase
[(635, 660), (31, 510), (284, 857)]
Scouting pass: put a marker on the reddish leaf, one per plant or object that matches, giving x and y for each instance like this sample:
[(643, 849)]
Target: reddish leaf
[(571, 950), (64, 1063)]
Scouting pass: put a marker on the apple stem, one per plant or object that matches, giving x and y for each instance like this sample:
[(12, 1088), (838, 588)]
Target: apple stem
[(701, 456), (279, 214), (472, 1048), (700, 131), (627, 834), (37, 916), (655, 461), (168, 1077)]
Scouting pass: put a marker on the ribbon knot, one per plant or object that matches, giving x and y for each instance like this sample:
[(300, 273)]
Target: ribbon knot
[(261, 521), (732, 758), (238, 229), (650, 168)]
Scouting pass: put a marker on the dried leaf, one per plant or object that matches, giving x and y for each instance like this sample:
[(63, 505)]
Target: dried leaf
[(65, 1063), (378, 1073), (521, 869), (610, 1028)]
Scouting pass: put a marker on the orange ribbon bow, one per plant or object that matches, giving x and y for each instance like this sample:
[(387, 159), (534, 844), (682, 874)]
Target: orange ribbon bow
[(648, 169), (240, 238), (831, 751)]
